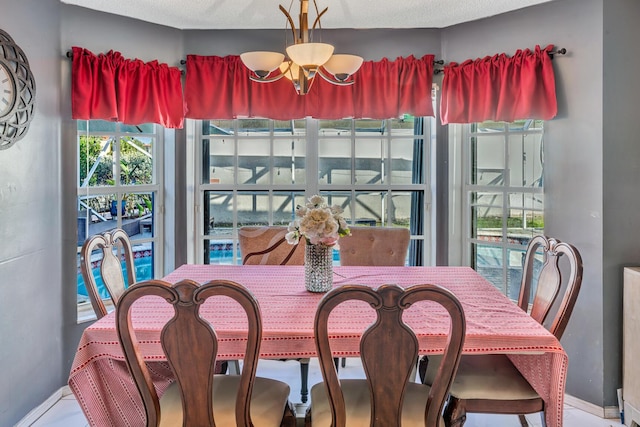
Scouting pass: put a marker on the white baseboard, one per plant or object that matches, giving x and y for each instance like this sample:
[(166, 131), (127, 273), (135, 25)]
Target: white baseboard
[(608, 412), (39, 411)]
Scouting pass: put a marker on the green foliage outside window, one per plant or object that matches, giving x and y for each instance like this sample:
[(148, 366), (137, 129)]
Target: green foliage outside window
[(96, 155), (135, 167), (512, 222)]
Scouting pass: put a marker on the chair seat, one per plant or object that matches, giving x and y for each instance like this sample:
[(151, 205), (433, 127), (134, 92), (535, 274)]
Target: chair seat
[(358, 405), (268, 402), (485, 376)]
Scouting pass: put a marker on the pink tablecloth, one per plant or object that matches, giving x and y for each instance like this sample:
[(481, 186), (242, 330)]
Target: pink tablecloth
[(108, 397)]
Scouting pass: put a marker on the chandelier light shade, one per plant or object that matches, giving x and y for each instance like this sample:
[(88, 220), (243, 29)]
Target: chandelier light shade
[(304, 58), (262, 63), (310, 55), (342, 65)]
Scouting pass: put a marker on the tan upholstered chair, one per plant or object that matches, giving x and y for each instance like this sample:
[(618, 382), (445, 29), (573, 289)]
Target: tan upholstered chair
[(380, 246), (388, 396), (112, 244), (491, 383), (199, 397), (267, 246)]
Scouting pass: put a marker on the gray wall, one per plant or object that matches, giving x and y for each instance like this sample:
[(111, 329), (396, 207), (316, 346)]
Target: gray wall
[(621, 168), (372, 45), (31, 298), (590, 167)]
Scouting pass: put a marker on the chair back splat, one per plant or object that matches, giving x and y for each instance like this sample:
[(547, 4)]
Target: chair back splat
[(389, 395), (268, 246), (550, 282), (190, 345), (110, 243)]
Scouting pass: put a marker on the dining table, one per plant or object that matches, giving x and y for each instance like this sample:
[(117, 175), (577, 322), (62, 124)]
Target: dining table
[(105, 390)]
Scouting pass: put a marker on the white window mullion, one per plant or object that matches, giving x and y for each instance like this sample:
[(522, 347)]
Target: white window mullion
[(312, 166)]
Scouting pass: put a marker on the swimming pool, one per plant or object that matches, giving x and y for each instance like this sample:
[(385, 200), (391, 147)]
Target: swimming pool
[(219, 253), (143, 261), (144, 271)]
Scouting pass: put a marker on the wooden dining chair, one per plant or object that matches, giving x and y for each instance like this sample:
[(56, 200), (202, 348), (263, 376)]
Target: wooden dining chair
[(491, 383), (268, 246), (112, 244), (379, 246), (199, 397), (388, 396)]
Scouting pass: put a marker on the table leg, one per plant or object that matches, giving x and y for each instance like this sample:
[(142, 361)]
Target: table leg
[(304, 380)]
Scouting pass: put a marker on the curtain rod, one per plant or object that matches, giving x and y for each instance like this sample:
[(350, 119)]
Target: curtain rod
[(435, 62), (561, 51), (69, 54)]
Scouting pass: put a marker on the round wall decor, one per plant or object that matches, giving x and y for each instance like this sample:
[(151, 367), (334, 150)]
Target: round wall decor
[(17, 92)]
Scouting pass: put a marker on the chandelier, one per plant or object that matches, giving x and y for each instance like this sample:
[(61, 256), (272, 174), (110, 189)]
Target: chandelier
[(305, 58)]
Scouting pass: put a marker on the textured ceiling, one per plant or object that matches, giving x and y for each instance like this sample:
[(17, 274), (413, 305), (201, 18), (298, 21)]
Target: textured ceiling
[(263, 14)]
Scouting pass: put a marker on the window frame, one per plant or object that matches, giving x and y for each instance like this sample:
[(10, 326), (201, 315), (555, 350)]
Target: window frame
[(119, 189), (469, 188), (313, 186)]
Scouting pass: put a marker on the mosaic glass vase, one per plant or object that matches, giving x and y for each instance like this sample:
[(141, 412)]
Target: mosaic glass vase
[(318, 268)]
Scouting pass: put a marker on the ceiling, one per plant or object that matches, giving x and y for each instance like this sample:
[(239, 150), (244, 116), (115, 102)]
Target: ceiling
[(264, 14)]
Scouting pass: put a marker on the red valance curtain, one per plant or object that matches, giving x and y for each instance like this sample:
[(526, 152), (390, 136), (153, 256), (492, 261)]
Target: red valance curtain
[(219, 87), (500, 88), (110, 87)]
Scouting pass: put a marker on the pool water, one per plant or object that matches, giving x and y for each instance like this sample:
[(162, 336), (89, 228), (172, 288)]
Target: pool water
[(144, 271), (144, 268)]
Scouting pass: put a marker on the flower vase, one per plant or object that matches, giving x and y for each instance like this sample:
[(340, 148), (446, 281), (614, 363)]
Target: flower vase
[(318, 268)]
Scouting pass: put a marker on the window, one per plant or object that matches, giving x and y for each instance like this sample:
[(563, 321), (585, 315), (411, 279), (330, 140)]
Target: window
[(504, 196), (119, 186), (256, 171)]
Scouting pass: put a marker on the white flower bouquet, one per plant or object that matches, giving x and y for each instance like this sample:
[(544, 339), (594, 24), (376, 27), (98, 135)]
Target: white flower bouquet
[(319, 223)]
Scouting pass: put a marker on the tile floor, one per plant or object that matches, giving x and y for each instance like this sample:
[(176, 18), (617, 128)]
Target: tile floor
[(67, 413)]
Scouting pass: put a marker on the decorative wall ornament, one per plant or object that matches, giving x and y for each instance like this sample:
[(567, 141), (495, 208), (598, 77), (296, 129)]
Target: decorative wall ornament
[(17, 92)]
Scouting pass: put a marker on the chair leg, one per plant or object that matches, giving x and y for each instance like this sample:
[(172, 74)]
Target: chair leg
[(344, 362), (304, 380), (455, 414), (523, 421)]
